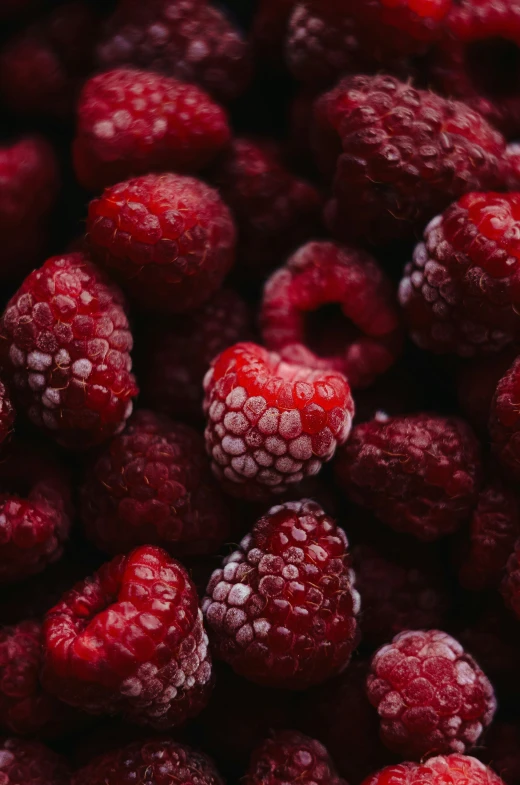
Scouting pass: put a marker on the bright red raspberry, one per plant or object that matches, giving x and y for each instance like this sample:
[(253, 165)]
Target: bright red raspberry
[(66, 350), (42, 68), (399, 156), (168, 239), (133, 122), (25, 762), (151, 485), (442, 770), (282, 609), (430, 695), (289, 756), (476, 385), (189, 40), (398, 26), (130, 640), (419, 473), (271, 424), (502, 751), (332, 307), (275, 211), (504, 421)]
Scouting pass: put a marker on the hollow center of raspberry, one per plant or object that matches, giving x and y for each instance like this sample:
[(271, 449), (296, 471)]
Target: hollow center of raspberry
[(494, 67), (327, 331)]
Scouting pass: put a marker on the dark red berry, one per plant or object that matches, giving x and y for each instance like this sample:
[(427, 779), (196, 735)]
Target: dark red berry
[(504, 421), (31, 763), (289, 756), (477, 382)]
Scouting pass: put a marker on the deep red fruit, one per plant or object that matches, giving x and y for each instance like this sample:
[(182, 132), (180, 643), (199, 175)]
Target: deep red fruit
[(7, 413), (275, 211), (130, 640), (419, 473), (152, 485), (399, 156), (289, 756), (443, 770), (189, 40), (430, 695), (134, 122), (66, 351), (168, 239), (271, 424), (31, 763), (282, 609), (502, 751), (511, 167), (477, 382), (361, 339), (504, 421)]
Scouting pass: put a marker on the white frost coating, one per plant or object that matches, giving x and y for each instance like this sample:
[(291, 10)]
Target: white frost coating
[(301, 448), (62, 358), (82, 368), (268, 422), (36, 381), (104, 129), (261, 628), (276, 445), (233, 445), (465, 673), (236, 398), (38, 361), (236, 423), (51, 398), (290, 424), (239, 594)]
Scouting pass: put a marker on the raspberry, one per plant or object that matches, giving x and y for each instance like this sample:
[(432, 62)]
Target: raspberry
[(133, 122), (188, 40), (130, 640), (476, 385), (443, 770), (42, 68), (151, 485), (418, 473), (282, 609), (275, 211), (502, 751), (430, 695), (289, 756), (7, 413), (504, 423), (169, 239), (511, 167), (29, 184), (362, 337), (66, 347), (270, 424), (31, 763), (399, 155)]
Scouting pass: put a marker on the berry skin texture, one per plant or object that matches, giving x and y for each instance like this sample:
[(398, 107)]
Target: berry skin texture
[(442, 770), (7, 413), (129, 640), (282, 609), (133, 122), (418, 473), (271, 424), (152, 485), (430, 695), (461, 292), (289, 756), (66, 344), (362, 343), (168, 239), (477, 382), (398, 156), (25, 762)]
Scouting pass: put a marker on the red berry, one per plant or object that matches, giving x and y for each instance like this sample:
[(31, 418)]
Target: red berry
[(169, 239), (419, 473), (430, 695), (31, 763), (289, 756), (271, 424), (362, 337), (282, 609), (133, 122), (511, 167), (476, 385), (504, 422), (130, 640), (66, 349), (7, 413), (443, 770)]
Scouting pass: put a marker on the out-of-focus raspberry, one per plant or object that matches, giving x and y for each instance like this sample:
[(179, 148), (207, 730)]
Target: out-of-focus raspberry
[(25, 762), (442, 770), (511, 167), (477, 382), (430, 695), (362, 337), (289, 756), (130, 640), (66, 344), (168, 239), (271, 424), (43, 67), (399, 156), (502, 751), (419, 473), (282, 609), (132, 122), (189, 40), (504, 421)]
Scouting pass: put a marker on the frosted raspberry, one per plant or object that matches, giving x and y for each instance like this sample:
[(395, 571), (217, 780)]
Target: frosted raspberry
[(477, 382), (130, 640), (133, 122), (504, 422), (289, 756), (430, 695), (502, 751), (361, 339), (66, 350), (511, 167), (442, 770), (168, 239), (271, 424), (418, 473), (282, 609), (31, 763)]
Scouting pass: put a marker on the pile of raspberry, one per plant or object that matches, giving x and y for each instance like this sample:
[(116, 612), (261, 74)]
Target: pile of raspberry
[(260, 392)]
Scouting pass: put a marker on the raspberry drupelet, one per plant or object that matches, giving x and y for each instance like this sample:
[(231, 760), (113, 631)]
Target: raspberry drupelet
[(271, 424), (430, 695), (25, 762), (504, 421), (399, 156), (152, 485), (167, 238), (418, 473), (132, 122), (65, 344), (362, 338), (130, 640), (443, 770), (289, 756), (282, 609)]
